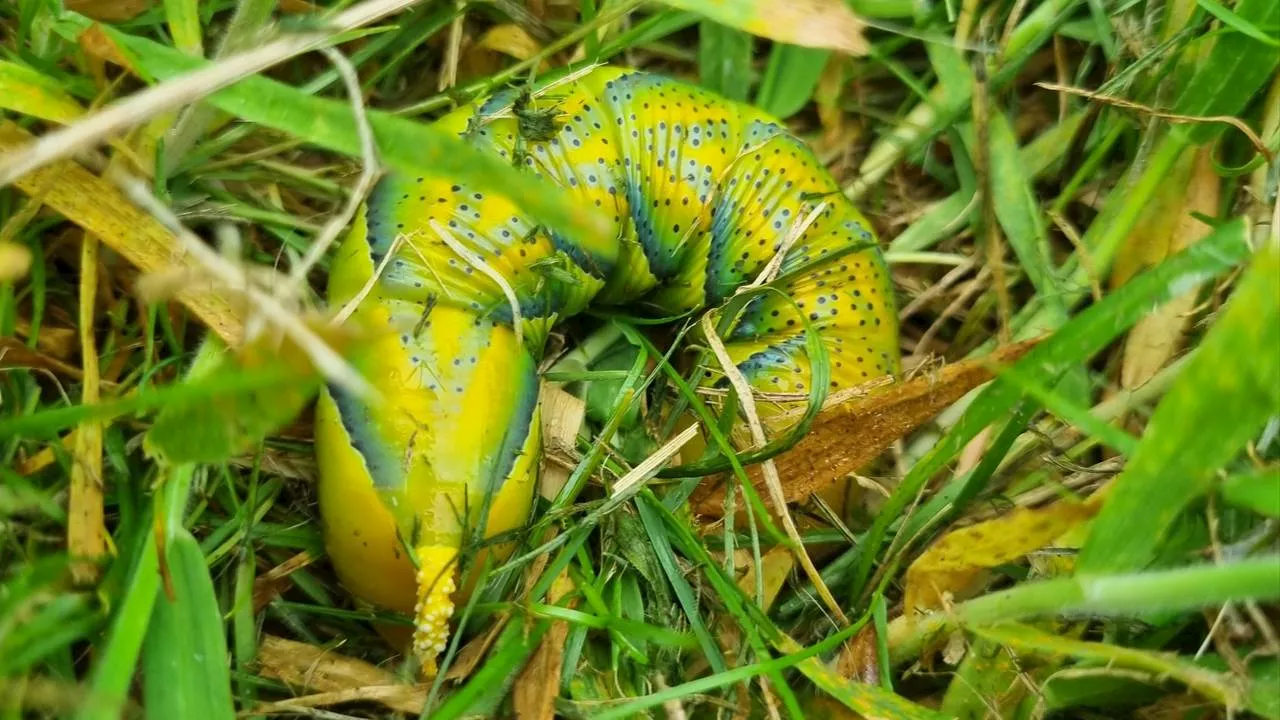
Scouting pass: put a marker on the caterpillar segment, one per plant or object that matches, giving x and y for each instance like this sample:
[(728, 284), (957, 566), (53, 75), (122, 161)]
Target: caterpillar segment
[(701, 194)]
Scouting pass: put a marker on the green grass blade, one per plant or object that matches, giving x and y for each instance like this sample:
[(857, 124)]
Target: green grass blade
[(113, 671), (789, 79), (1236, 22), (1258, 491), (1024, 639), (185, 665), (1119, 595), (1220, 401), (724, 59), (183, 17), (651, 519), (1019, 214)]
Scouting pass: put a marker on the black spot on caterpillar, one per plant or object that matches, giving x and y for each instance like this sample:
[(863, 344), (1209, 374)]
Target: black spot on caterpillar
[(704, 196)]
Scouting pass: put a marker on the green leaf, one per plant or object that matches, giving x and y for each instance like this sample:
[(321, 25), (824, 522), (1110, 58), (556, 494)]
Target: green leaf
[(186, 670), (1240, 57), (1264, 678), (114, 666), (789, 79), (183, 18), (1019, 213), (1027, 640), (1258, 491), (1113, 595), (1234, 21), (1229, 390), (212, 430), (724, 59)]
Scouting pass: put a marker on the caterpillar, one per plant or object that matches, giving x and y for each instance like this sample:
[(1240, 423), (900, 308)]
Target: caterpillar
[(703, 195)]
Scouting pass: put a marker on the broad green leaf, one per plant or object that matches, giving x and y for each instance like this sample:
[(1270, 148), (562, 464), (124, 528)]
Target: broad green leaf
[(1230, 389), (986, 684), (1113, 595), (789, 79), (186, 670), (1258, 491), (216, 429), (1236, 22), (724, 59), (1019, 213), (183, 17), (827, 24), (1264, 678)]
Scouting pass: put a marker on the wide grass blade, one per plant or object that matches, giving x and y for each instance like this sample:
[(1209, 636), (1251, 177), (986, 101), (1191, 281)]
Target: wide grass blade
[(1111, 595), (789, 79), (185, 665), (1219, 402), (724, 59)]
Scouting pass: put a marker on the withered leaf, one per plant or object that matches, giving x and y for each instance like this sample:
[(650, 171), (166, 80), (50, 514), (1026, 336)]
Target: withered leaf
[(847, 436), (955, 561), (103, 210), (336, 677)]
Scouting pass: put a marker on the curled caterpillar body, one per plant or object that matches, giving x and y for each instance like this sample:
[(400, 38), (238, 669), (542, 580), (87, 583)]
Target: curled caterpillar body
[(703, 194)]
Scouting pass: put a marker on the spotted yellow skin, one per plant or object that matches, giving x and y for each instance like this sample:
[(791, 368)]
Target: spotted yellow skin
[(701, 194)]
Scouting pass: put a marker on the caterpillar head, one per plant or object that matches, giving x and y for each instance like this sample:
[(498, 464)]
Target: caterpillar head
[(437, 582)]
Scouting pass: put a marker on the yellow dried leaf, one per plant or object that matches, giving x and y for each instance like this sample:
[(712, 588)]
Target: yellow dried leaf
[(110, 10), (337, 678), (15, 354), (777, 563), (57, 341), (26, 91), (538, 684), (509, 39), (15, 260), (952, 564), (1148, 242), (1155, 338), (828, 24), (100, 47), (562, 415), (490, 52), (103, 210), (848, 435), (86, 523)]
